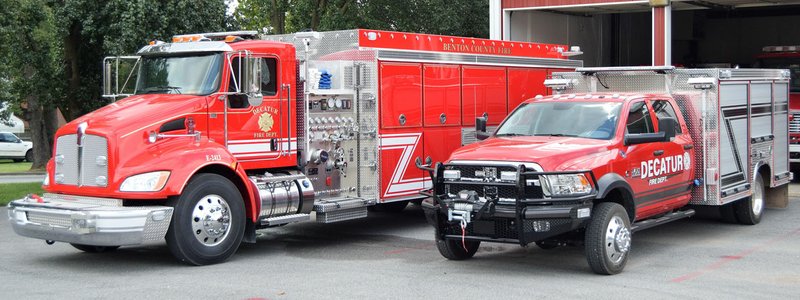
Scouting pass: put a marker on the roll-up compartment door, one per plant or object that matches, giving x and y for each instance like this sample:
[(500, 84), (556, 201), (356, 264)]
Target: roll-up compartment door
[(483, 91), (441, 95), (400, 95)]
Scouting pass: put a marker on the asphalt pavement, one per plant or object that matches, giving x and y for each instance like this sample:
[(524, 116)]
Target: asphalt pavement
[(393, 256), (18, 178)]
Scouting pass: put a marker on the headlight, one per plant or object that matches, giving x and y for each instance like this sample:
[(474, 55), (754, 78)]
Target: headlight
[(566, 184), (452, 174), (147, 182)]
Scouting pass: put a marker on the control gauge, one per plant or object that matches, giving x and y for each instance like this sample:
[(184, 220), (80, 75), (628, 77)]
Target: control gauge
[(331, 102), (338, 103)]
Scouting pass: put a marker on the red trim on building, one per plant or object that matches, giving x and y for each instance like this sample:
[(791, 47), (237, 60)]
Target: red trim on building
[(659, 43), (506, 4)]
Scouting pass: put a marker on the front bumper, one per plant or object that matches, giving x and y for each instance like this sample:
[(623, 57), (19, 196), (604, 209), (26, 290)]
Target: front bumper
[(88, 220), (523, 215)]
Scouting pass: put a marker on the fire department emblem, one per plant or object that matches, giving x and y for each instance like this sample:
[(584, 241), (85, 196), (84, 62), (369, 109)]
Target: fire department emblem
[(265, 122)]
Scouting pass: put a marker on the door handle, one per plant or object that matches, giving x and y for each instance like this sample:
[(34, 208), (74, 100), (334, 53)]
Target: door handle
[(658, 152), (688, 146)]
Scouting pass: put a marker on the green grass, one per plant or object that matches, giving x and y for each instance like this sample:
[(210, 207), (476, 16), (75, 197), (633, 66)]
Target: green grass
[(9, 166), (14, 191)]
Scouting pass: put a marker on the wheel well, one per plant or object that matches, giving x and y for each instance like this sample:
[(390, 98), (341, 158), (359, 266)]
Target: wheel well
[(765, 172), (622, 197), (233, 177)]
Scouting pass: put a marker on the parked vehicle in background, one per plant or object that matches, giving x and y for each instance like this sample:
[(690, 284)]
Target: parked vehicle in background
[(787, 57), (12, 147)]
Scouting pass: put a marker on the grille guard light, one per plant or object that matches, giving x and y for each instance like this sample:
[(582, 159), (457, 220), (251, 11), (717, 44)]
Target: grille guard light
[(452, 174)]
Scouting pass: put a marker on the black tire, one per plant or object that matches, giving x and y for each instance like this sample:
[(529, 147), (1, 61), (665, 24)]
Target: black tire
[(29, 156), (16, 160), (750, 209), (95, 249), (393, 207), (728, 214), (454, 249), (216, 240), (608, 239), (546, 245)]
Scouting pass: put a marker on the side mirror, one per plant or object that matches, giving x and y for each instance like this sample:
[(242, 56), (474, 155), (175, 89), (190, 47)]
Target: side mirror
[(119, 76), (668, 126), (250, 83), (480, 128), (641, 138), (19, 141)]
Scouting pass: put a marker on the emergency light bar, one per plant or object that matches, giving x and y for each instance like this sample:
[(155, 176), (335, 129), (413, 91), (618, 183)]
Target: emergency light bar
[(780, 49), (657, 69), (559, 84), (702, 83), (209, 36)]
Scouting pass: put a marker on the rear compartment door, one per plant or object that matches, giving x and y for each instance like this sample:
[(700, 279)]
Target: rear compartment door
[(484, 93)]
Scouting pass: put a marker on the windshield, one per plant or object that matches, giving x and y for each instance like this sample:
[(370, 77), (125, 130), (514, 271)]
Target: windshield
[(594, 120), (194, 75), (793, 64)]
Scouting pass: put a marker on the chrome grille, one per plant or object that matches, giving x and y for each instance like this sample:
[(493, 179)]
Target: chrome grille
[(49, 219), (794, 124), (95, 161), (93, 165), (67, 160)]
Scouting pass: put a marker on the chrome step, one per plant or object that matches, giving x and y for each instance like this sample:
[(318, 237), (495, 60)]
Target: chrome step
[(342, 215), (275, 221), (332, 205), (673, 216)]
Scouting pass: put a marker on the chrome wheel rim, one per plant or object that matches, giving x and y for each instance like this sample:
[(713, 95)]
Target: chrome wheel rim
[(211, 220), (757, 200), (617, 240)]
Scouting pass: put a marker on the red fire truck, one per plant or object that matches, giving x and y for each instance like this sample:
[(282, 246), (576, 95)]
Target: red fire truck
[(617, 151), (787, 57), (221, 134)]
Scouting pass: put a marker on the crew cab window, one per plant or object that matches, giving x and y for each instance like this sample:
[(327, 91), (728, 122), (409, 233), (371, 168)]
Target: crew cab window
[(269, 78), (663, 109), (594, 120), (639, 120)]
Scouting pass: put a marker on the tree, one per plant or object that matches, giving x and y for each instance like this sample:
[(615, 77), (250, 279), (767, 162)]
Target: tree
[(52, 50)]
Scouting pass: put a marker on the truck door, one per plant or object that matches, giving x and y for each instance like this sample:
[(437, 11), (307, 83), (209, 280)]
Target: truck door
[(676, 162), (258, 136), (640, 157)]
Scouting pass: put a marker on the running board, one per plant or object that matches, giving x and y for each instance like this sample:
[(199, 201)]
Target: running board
[(662, 220), (275, 221), (337, 210)]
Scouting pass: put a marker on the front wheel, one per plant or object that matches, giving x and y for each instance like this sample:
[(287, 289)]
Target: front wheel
[(608, 239), (456, 250), (208, 221), (29, 156)]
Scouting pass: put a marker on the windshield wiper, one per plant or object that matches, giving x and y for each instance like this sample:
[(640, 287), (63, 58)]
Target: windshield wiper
[(510, 134), (555, 134), (153, 89)]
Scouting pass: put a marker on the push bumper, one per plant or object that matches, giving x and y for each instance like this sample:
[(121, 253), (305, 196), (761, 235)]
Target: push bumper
[(794, 153), (87, 220)]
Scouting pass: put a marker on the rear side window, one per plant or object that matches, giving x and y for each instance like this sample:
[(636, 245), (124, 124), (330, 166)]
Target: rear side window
[(639, 120), (663, 109)]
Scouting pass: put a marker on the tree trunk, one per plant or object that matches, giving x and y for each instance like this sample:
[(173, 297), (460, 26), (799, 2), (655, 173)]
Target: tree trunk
[(43, 127), (71, 47), (278, 21), (317, 12)]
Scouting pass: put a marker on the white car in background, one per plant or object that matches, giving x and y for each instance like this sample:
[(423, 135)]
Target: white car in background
[(12, 147)]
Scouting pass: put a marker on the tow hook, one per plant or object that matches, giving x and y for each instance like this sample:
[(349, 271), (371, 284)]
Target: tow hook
[(50, 242)]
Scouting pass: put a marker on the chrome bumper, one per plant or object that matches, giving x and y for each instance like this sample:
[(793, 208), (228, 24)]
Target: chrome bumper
[(88, 221)]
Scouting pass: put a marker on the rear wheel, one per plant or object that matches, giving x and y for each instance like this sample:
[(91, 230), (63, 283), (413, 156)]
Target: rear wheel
[(608, 239), (94, 249), (749, 210), (29, 156), (208, 222), (16, 160), (456, 250)]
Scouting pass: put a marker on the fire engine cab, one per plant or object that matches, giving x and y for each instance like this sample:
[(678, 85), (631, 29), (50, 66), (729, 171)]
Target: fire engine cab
[(217, 135), (617, 150)]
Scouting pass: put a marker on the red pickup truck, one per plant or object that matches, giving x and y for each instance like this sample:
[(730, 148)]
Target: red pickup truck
[(588, 167)]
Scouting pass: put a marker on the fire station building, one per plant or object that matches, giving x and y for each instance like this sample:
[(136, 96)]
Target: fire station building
[(690, 33)]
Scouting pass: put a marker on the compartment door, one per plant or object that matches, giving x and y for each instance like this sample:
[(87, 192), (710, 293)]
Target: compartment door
[(442, 95), (483, 91), (524, 84), (401, 95)]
